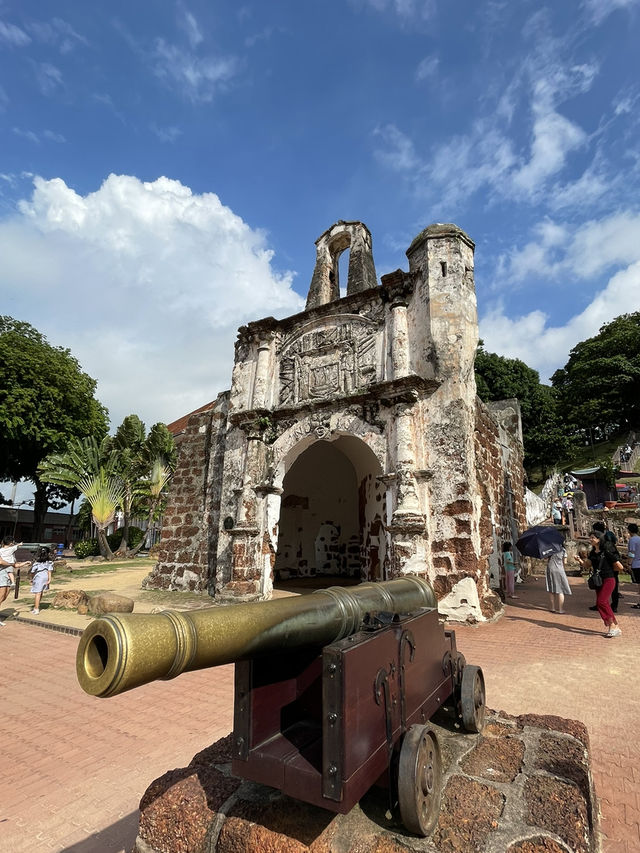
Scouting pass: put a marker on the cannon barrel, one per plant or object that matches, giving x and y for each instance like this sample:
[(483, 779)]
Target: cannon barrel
[(119, 652)]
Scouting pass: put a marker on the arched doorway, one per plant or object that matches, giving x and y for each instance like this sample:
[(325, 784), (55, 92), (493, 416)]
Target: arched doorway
[(332, 514)]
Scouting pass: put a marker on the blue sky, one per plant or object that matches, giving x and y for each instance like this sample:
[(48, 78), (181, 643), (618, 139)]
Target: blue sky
[(165, 169)]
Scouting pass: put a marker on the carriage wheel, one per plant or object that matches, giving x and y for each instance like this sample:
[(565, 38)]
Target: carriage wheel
[(472, 698), (419, 780)]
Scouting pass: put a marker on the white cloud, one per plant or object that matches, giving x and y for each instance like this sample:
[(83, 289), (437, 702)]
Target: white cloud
[(188, 23), (166, 134), (196, 78), (608, 247), (535, 339), (146, 283), (49, 135), (52, 136), (10, 34), (601, 9), (49, 77), (593, 248), (26, 134), (406, 9), (427, 68), (57, 32), (553, 138), (397, 151)]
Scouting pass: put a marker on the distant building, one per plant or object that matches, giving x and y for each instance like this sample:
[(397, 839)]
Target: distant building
[(18, 522)]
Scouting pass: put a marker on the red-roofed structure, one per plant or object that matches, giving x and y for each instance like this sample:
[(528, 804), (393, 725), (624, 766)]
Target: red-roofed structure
[(178, 427)]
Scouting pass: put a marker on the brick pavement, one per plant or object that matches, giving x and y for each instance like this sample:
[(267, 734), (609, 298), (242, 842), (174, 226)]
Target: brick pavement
[(535, 661), (73, 767)]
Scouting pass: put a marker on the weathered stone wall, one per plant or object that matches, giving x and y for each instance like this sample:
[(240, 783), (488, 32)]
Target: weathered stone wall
[(186, 558), (499, 455)]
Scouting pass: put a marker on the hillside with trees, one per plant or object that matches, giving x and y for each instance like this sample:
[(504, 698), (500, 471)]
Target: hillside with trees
[(595, 396)]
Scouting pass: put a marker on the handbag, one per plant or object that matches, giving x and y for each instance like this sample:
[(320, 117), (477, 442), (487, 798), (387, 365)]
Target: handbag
[(594, 581)]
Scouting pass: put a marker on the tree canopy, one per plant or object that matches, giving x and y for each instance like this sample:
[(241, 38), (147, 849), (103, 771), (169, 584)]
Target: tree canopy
[(599, 387), (45, 401), (128, 471), (545, 435)]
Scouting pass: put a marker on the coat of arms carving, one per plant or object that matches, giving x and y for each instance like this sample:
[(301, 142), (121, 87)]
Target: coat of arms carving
[(328, 361)]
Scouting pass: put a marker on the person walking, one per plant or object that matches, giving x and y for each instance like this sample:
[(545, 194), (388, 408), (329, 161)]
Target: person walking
[(557, 583), (633, 547), (556, 511), (6, 571), (509, 570), (40, 575), (8, 555), (603, 561), (610, 547)]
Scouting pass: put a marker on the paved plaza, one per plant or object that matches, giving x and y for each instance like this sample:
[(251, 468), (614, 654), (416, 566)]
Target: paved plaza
[(73, 767)]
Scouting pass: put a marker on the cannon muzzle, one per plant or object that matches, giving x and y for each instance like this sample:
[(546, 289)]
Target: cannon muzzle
[(119, 652)]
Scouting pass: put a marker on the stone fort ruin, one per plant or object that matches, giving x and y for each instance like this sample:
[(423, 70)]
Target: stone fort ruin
[(352, 442)]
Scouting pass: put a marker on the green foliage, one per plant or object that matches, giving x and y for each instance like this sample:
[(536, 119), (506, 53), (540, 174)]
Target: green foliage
[(135, 536), (45, 400), (609, 471), (599, 387), (83, 516), (86, 548), (545, 435), (128, 471)]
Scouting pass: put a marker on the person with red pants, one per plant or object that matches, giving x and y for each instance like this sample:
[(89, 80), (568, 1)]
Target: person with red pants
[(603, 559)]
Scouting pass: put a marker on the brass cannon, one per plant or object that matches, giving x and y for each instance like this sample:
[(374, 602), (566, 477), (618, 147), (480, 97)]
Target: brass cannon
[(365, 669)]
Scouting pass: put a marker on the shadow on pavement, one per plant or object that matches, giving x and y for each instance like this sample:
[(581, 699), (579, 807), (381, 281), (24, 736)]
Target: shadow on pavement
[(117, 838)]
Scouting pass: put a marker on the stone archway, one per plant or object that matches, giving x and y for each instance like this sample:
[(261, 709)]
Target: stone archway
[(332, 513)]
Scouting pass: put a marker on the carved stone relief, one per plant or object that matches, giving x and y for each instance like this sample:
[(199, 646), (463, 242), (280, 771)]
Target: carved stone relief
[(328, 361)]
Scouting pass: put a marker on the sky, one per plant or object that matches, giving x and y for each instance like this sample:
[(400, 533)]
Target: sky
[(165, 168)]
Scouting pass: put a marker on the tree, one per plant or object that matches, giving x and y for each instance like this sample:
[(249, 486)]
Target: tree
[(138, 458), (128, 471), (89, 467), (545, 436), (45, 401), (599, 387)]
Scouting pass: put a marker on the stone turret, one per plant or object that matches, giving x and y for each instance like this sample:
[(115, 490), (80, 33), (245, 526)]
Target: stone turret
[(325, 283), (442, 256)]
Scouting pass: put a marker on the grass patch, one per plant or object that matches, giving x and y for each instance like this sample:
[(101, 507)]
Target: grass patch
[(85, 569)]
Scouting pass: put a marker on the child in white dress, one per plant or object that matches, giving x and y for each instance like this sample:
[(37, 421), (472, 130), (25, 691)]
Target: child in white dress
[(41, 576)]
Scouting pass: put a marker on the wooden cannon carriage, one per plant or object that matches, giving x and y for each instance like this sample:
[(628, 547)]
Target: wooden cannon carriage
[(333, 691)]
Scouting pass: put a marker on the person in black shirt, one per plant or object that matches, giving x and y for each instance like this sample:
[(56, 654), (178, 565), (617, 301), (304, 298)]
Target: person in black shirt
[(603, 559), (610, 547)]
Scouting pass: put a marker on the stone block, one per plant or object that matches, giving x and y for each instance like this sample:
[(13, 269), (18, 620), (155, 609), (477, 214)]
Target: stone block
[(110, 602), (70, 598)]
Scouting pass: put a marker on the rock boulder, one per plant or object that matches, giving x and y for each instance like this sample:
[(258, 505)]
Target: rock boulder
[(110, 602)]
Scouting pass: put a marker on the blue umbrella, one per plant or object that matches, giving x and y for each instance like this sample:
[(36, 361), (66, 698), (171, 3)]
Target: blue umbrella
[(540, 542)]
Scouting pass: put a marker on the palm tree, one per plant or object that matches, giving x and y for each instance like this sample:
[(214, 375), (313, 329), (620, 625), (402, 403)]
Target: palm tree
[(89, 467), (113, 473), (145, 465), (154, 489), (105, 494)]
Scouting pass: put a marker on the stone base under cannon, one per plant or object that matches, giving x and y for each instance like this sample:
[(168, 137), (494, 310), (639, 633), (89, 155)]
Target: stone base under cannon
[(522, 786)]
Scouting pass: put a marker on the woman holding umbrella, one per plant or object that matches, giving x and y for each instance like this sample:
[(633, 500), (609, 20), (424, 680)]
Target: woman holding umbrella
[(557, 583)]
